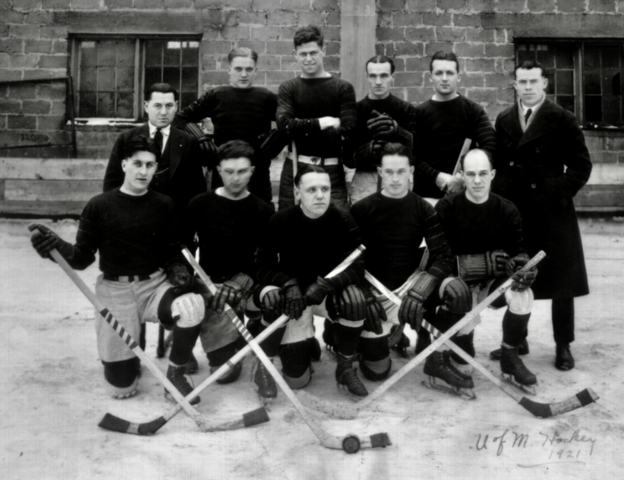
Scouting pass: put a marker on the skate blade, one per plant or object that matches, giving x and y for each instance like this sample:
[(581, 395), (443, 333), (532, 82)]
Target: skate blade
[(345, 390), (465, 393), (529, 389)]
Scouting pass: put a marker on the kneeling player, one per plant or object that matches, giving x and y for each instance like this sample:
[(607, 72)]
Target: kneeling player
[(227, 223), (143, 276), (393, 223), (485, 232), (302, 244)]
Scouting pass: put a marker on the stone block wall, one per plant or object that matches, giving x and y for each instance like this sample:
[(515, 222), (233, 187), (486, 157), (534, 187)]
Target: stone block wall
[(34, 45)]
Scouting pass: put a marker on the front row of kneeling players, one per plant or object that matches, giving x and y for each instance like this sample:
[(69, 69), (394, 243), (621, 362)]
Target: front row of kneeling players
[(144, 277)]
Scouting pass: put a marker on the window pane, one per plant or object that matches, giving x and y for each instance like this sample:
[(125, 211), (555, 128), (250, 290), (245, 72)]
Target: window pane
[(86, 106), (189, 79), (611, 82), (546, 56), (153, 52), (565, 56), (106, 54), (566, 101), (125, 79), (105, 105), (88, 54), (171, 75), (593, 108), (190, 54), (125, 53), (565, 82), (88, 79), (152, 75), (610, 109), (591, 59), (550, 88), (592, 83), (125, 104), (172, 54), (610, 58)]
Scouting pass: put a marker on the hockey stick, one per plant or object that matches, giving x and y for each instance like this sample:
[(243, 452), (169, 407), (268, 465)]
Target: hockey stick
[(111, 422), (351, 443), (540, 410), (199, 419), (351, 411)]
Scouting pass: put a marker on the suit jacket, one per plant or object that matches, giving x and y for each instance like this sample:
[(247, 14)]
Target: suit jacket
[(541, 170), (186, 177)]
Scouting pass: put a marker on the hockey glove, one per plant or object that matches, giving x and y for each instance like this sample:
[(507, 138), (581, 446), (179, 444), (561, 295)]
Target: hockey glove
[(179, 276), (457, 297), (412, 310), (521, 280), (482, 266), (293, 299), (231, 292), (45, 240), (496, 262), (272, 305), (317, 291), (382, 127)]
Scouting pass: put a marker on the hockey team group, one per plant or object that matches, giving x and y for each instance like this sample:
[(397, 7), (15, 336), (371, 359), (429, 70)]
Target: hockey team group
[(446, 206)]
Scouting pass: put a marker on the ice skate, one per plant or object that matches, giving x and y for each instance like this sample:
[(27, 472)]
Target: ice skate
[(439, 366), (515, 372), (231, 376), (348, 380), (192, 366), (263, 383), (177, 376)]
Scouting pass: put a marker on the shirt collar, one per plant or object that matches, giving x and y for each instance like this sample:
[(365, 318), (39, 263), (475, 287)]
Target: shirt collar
[(165, 130), (533, 109)]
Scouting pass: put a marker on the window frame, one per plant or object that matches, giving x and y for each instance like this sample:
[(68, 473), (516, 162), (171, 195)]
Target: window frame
[(139, 69), (579, 73)]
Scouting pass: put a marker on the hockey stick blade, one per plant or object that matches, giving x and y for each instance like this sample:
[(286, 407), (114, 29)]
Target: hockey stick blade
[(182, 403), (353, 410), (152, 426), (540, 410), (349, 443)]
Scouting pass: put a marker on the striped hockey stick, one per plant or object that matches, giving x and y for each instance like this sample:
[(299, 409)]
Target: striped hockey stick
[(351, 443)]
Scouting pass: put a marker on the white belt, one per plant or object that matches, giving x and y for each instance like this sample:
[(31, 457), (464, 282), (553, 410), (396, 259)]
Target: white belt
[(315, 160)]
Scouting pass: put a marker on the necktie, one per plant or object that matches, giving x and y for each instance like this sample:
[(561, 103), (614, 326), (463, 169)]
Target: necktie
[(526, 116), (158, 138)]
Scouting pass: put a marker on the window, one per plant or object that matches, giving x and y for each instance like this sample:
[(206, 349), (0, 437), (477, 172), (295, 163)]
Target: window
[(584, 77), (111, 73)]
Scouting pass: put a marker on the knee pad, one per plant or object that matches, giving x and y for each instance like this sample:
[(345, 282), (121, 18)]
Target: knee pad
[(456, 295), (351, 304), (329, 334), (296, 365), (188, 310), (122, 377), (520, 303)]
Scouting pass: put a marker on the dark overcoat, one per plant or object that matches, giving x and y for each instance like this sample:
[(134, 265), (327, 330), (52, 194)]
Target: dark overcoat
[(541, 170), (186, 177)]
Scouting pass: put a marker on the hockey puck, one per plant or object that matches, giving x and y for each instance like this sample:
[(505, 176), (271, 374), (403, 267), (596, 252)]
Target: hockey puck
[(351, 444)]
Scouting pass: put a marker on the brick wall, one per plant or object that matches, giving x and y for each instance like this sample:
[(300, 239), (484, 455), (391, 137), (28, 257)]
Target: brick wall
[(33, 42)]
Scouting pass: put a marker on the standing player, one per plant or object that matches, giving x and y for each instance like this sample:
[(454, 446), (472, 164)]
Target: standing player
[(292, 263), (227, 222), (393, 224), (318, 110), (443, 124), (239, 111), (542, 162), (381, 118), (133, 229), (485, 233), (179, 174)]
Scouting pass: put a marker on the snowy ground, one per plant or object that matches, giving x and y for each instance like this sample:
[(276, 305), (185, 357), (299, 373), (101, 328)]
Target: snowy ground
[(54, 398)]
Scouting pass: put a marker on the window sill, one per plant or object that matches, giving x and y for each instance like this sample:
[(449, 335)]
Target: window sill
[(103, 124)]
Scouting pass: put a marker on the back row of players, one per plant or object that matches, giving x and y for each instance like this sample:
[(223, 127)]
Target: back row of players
[(285, 255)]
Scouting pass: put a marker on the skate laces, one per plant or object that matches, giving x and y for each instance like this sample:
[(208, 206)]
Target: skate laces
[(179, 380)]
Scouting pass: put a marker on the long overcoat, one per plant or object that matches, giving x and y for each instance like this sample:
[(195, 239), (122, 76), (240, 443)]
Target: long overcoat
[(541, 170)]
